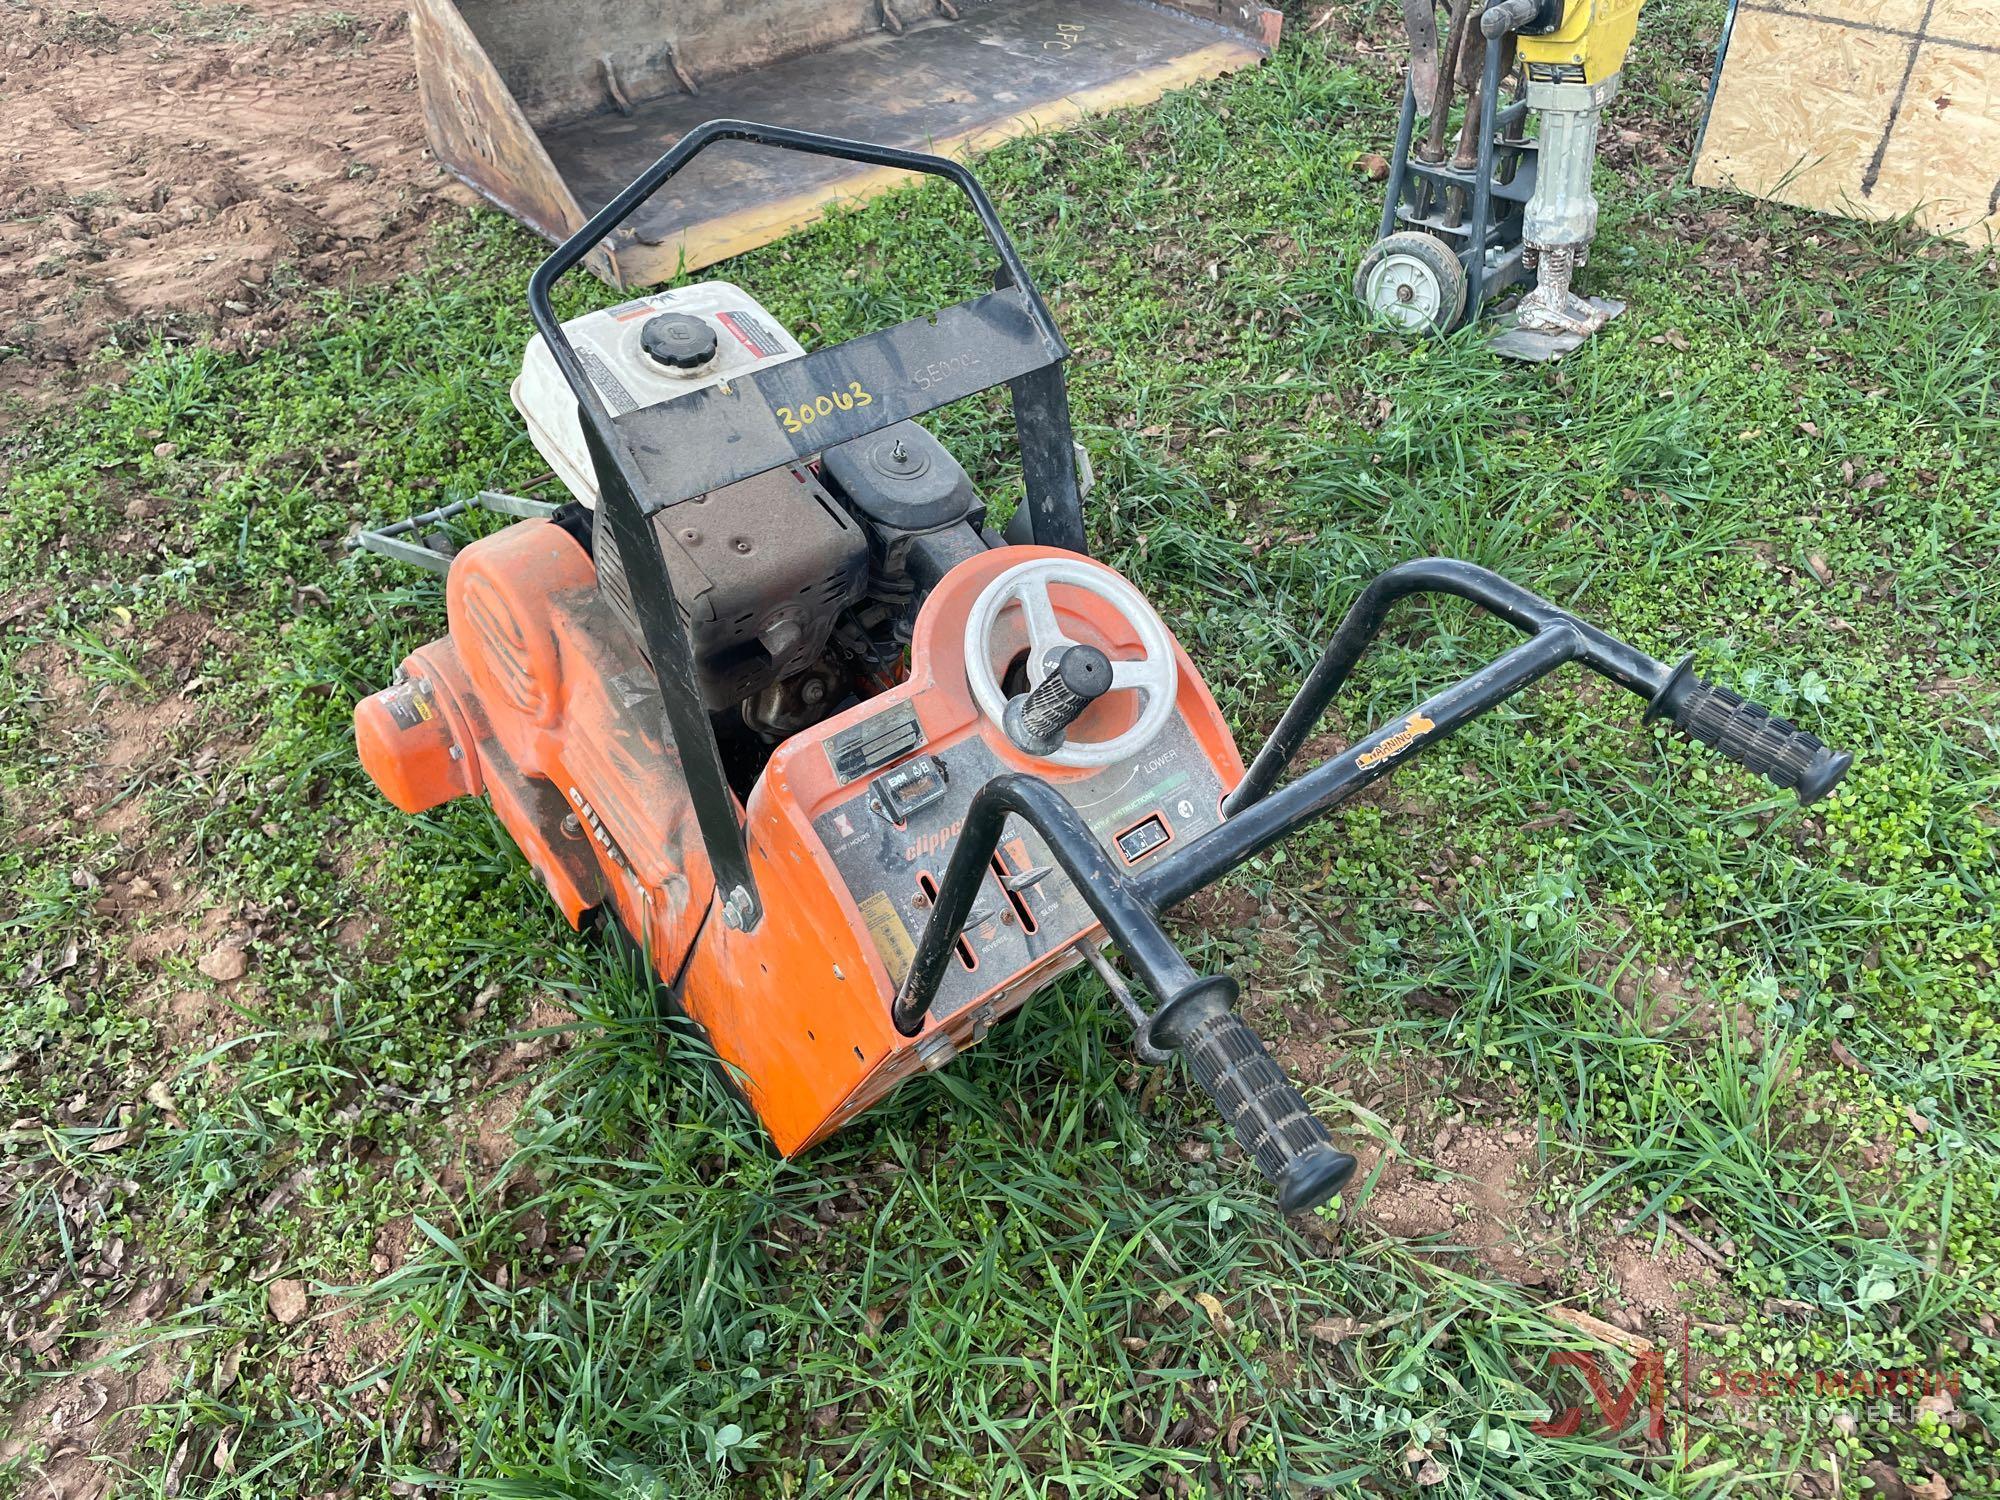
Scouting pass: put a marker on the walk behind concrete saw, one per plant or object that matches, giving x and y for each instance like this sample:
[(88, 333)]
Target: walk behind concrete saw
[(859, 775)]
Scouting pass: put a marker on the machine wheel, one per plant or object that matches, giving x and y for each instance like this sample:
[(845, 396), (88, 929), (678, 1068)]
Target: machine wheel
[(1414, 280)]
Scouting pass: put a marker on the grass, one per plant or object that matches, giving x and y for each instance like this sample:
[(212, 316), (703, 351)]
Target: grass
[(546, 1253)]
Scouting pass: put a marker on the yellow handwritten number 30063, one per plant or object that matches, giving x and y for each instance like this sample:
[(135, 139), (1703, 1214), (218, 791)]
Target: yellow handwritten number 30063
[(798, 419)]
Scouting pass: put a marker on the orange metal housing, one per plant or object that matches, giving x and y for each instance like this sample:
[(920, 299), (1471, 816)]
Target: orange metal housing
[(545, 696), (553, 711)]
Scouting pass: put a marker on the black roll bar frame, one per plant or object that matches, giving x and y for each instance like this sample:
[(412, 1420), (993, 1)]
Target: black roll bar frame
[(1024, 342)]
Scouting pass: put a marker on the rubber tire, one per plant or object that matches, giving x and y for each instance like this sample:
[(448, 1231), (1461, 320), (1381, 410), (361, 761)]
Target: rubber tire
[(1438, 258)]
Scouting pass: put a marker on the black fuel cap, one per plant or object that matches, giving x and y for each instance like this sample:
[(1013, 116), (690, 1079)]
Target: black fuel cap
[(678, 340)]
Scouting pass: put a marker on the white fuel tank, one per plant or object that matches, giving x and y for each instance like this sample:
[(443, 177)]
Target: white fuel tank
[(642, 353)]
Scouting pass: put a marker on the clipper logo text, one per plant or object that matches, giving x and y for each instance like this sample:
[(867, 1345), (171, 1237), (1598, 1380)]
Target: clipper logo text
[(1417, 727), (930, 843)]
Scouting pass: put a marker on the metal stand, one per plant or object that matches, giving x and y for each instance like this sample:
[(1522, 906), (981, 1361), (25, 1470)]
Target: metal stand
[(1487, 235)]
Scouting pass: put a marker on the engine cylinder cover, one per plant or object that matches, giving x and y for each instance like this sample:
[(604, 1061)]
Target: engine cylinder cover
[(760, 569)]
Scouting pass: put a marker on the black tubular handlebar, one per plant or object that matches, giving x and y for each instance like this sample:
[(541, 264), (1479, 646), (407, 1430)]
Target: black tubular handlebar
[(1263, 1107), (1193, 1015), (1744, 732), (1527, 611)]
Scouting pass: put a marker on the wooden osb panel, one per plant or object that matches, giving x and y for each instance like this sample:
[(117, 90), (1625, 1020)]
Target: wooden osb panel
[(1869, 108)]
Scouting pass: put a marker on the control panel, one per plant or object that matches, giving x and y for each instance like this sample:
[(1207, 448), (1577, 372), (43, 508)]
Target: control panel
[(892, 836)]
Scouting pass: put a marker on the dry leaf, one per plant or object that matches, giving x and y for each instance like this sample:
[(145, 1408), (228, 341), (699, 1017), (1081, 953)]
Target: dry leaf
[(1887, 1484), (1219, 1320), (37, 968), (1844, 1057), (1335, 1330), (177, 1466), (1340, 1330), (80, 1410)]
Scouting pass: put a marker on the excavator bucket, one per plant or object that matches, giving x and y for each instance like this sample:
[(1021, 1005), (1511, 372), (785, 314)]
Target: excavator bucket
[(550, 107)]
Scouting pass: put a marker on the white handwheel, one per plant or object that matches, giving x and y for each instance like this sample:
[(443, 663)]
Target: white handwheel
[(1155, 676)]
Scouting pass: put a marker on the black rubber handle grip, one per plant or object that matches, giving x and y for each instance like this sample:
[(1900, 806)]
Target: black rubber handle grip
[(1251, 1091), (1036, 720), (1749, 734), (1511, 15)]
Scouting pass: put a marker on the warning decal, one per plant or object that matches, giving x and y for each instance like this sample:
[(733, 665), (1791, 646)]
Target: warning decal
[(892, 937), (609, 386), (753, 333), (410, 704)]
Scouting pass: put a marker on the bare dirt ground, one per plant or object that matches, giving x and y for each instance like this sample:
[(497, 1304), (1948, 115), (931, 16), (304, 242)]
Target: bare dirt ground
[(191, 168)]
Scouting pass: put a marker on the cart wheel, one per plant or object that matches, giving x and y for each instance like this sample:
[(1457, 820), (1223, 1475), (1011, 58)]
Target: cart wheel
[(1414, 280)]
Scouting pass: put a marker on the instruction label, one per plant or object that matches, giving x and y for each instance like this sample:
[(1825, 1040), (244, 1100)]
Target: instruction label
[(892, 936)]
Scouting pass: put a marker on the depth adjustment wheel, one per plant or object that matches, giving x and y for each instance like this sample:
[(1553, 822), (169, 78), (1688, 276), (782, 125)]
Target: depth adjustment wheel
[(1155, 675), (1413, 280)]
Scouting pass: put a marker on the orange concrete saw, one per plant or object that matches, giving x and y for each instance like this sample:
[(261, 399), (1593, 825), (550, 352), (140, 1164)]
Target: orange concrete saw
[(860, 775)]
